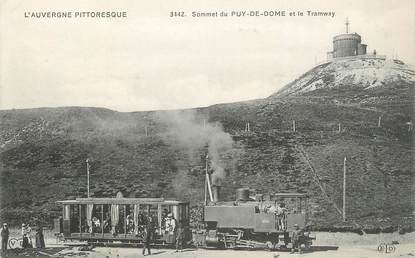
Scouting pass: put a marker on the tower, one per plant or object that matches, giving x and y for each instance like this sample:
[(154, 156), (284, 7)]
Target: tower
[(348, 44), (347, 25)]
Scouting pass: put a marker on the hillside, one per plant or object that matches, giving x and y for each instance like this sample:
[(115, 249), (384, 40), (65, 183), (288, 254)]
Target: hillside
[(365, 75), (161, 153)]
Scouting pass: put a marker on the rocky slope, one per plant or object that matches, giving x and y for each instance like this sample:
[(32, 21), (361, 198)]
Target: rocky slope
[(43, 152), (362, 76)]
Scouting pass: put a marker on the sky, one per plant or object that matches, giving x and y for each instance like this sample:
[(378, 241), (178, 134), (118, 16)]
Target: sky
[(151, 61)]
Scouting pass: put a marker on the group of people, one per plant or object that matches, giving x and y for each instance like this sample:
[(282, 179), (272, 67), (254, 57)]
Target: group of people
[(173, 230), (97, 226), (280, 211), (26, 236)]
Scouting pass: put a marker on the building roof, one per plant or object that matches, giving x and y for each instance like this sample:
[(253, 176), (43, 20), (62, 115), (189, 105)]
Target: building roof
[(346, 36)]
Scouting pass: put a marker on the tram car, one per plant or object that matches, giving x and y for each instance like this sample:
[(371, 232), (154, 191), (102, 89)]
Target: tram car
[(262, 221), (114, 220)]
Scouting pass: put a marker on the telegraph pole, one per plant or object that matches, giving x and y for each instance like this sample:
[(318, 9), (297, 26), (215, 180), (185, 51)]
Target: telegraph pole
[(344, 189), (87, 172), (146, 130), (206, 172)]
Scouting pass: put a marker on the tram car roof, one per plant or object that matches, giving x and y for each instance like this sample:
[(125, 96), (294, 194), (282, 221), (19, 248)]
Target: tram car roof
[(123, 201)]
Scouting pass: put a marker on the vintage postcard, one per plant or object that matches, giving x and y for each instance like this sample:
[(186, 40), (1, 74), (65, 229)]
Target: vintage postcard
[(207, 128)]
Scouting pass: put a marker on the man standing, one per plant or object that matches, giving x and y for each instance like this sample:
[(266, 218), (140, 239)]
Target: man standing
[(295, 239), (179, 237), (280, 213), (148, 232), (39, 238), (27, 239), (4, 237)]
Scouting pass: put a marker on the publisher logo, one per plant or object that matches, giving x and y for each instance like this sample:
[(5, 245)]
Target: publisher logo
[(386, 248)]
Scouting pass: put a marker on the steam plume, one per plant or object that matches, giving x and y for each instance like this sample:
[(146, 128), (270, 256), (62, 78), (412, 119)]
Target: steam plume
[(193, 134)]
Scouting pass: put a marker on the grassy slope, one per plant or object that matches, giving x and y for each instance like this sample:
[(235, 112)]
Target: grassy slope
[(43, 159)]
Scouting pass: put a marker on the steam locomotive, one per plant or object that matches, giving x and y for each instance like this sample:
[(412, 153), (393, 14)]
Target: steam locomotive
[(262, 221)]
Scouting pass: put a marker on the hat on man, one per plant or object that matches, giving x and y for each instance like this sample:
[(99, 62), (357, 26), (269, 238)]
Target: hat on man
[(4, 224), (170, 215), (296, 225)]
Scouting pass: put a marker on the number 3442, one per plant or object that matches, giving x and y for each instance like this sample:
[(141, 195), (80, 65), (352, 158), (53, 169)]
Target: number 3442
[(177, 14)]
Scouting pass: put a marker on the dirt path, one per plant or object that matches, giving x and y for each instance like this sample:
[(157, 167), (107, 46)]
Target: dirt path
[(406, 250), (349, 246)]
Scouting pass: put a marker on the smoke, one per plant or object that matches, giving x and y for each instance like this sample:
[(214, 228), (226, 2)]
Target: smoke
[(193, 133)]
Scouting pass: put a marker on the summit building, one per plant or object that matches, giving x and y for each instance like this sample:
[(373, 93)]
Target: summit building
[(349, 44)]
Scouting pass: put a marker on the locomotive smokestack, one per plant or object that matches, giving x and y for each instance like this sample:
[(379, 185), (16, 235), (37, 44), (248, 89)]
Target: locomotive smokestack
[(216, 193)]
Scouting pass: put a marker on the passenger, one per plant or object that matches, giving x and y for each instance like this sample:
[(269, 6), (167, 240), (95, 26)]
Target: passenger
[(27, 239), (179, 237), (96, 225), (4, 237), (170, 228), (39, 238), (163, 220), (164, 213), (148, 234), (142, 219), (130, 224), (84, 226), (266, 208), (142, 222), (107, 223), (272, 209), (296, 236), (281, 211)]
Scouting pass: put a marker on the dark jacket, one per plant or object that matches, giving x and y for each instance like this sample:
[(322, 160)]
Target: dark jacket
[(148, 233), (4, 232), (296, 235), (40, 240), (180, 233)]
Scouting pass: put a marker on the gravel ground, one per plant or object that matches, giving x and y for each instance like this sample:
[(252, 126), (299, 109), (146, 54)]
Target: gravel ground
[(405, 250), (349, 245)]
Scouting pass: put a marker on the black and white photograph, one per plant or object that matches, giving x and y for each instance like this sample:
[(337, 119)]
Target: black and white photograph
[(198, 129)]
